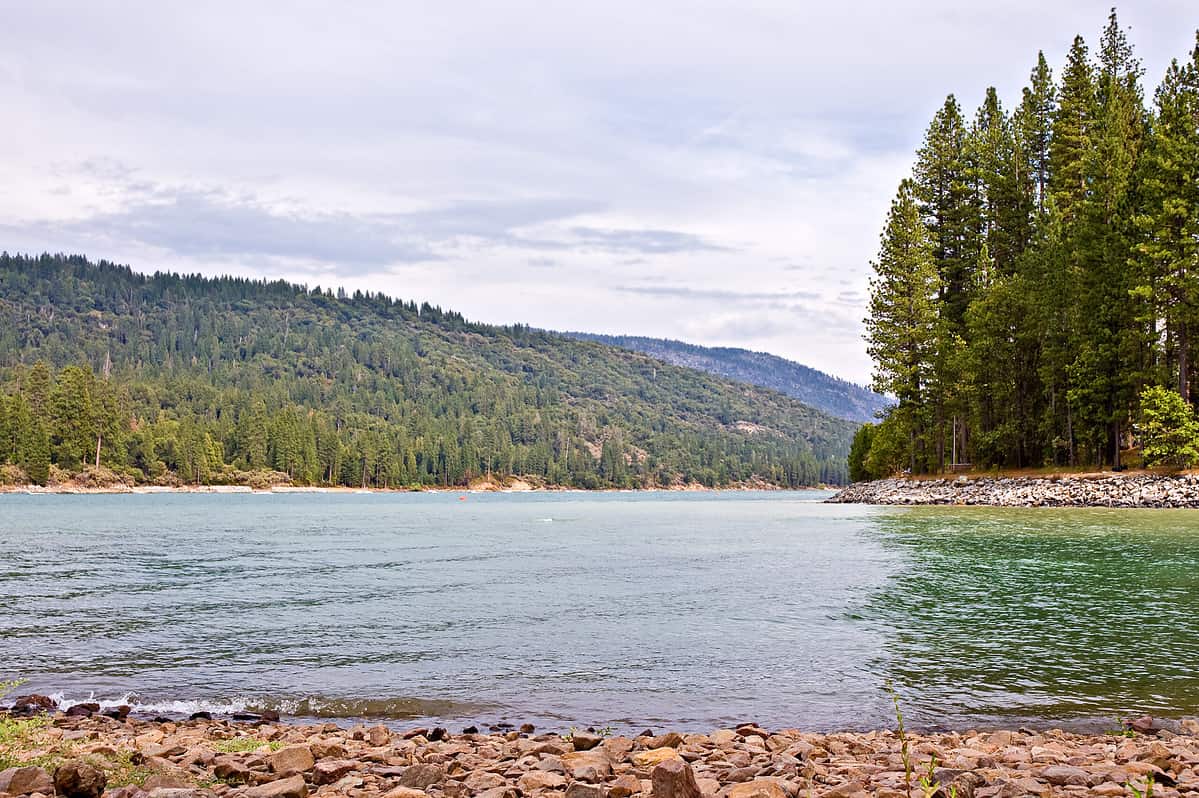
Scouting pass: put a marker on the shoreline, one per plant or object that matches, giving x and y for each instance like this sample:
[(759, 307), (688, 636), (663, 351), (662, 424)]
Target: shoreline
[(1114, 490), (266, 758), (342, 490)]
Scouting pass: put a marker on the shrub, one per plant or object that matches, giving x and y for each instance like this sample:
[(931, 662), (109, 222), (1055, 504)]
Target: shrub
[(1168, 428)]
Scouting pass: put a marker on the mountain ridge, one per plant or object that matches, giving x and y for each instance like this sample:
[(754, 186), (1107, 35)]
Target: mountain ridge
[(826, 392)]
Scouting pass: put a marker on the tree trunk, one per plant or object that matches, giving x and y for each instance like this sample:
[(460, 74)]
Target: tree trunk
[(99, 439)]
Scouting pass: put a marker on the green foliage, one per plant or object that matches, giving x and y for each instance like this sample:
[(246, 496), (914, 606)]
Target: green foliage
[(186, 380), (859, 450), (1065, 245), (237, 745), (1168, 428)]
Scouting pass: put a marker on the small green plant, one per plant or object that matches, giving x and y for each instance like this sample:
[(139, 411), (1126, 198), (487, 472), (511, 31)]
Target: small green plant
[(602, 731), (121, 770), (1146, 793), (239, 745), (904, 749), (929, 784), (1120, 730)]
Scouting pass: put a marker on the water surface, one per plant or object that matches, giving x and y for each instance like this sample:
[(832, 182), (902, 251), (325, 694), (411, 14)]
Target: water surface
[(658, 609)]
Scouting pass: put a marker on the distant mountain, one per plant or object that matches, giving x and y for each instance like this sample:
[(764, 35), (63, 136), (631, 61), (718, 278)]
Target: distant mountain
[(180, 378), (833, 395)]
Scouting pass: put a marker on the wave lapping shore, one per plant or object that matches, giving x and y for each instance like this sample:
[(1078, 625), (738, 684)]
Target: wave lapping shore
[(1089, 490), (91, 757)]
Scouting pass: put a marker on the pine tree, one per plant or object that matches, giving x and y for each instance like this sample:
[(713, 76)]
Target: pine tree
[(1072, 131), (903, 321)]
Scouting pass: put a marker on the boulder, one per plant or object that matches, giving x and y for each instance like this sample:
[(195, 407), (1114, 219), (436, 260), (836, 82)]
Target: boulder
[(22, 781), (292, 759), (328, 771), (32, 704), (290, 787), (85, 710), (654, 756), (230, 769), (624, 786), (587, 765), (581, 789), (378, 736), (757, 788), (423, 775), (540, 780), (673, 778), (79, 780), (585, 741), (1063, 775)]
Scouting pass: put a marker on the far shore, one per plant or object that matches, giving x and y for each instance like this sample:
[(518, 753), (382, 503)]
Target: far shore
[(68, 489), (84, 754), (1143, 489)]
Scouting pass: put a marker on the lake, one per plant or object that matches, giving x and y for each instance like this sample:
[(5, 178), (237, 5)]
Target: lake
[(679, 610)]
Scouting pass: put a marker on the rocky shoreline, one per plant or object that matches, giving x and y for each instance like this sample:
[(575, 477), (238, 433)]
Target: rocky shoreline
[(84, 754), (1076, 490)]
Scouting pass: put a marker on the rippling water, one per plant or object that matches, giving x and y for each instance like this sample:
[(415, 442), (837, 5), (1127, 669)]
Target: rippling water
[(687, 610)]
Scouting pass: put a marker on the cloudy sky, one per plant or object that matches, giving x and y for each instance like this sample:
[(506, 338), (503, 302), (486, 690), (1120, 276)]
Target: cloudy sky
[(714, 172)]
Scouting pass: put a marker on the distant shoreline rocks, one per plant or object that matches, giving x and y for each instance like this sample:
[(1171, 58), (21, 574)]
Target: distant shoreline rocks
[(1074, 490)]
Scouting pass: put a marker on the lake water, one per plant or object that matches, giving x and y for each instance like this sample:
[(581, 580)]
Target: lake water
[(688, 611)]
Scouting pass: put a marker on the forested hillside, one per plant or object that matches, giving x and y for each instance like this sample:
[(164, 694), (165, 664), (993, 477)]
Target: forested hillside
[(822, 391), (172, 378), (1036, 298)]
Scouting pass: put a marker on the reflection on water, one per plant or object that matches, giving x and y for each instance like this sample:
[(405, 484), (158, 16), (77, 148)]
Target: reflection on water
[(691, 611), (1050, 614)]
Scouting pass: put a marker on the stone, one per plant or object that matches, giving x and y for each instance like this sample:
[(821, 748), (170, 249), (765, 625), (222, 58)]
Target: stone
[(292, 759), (26, 780), (674, 778), (79, 780), (581, 789), (378, 736), (654, 756), (587, 765), (328, 771), (758, 788), (1063, 775), (723, 738), (32, 704), (229, 768), (85, 710), (483, 780), (290, 787), (1142, 725), (422, 775), (848, 789), (540, 780), (668, 740), (404, 792), (169, 778), (496, 792), (624, 786), (585, 741)]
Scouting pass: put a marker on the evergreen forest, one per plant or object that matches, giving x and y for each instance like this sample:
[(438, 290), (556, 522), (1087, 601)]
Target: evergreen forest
[(107, 374), (1035, 300)]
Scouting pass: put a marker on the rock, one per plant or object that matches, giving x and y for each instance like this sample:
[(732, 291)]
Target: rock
[(1063, 775), (230, 769), (378, 736), (483, 780), (846, 790), (423, 775), (496, 792), (723, 737), (170, 778), (438, 734), (26, 780), (585, 741), (292, 759), (540, 780), (79, 780), (587, 765), (1142, 725), (674, 778), (654, 756), (169, 792), (32, 704), (758, 788), (290, 787), (668, 740), (580, 789), (404, 792), (527, 728), (624, 786), (328, 771), (85, 710)]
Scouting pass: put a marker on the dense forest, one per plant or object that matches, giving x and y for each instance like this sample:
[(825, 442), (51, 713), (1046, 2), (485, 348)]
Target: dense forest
[(167, 379), (1036, 292), (833, 395)]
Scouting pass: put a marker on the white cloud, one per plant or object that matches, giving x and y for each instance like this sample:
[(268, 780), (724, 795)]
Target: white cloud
[(451, 152)]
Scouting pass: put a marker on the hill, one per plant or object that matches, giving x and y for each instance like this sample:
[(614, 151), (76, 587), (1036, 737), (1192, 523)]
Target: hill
[(228, 380), (834, 396)]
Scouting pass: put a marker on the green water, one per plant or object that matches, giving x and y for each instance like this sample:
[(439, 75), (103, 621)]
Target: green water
[(688, 611)]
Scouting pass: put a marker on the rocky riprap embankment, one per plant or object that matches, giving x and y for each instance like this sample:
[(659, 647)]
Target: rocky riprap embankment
[(223, 759), (1108, 490)]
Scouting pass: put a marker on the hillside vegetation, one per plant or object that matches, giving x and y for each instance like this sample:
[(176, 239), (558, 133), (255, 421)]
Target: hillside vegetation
[(1036, 291), (833, 395), (189, 379)]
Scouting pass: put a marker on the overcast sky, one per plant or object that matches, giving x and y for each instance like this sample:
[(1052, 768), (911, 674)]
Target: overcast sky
[(713, 172)]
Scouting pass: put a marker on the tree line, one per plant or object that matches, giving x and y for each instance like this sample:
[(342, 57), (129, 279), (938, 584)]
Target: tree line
[(1038, 273), (181, 379)]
